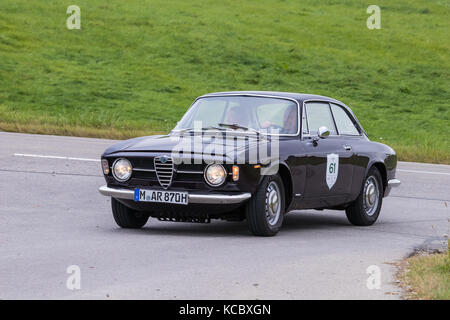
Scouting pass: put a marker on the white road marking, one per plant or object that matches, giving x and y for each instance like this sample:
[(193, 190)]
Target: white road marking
[(424, 172), (53, 157)]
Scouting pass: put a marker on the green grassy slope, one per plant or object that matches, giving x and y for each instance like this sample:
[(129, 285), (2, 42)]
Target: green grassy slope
[(135, 66)]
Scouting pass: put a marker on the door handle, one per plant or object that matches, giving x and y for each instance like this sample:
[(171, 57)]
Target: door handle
[(347, 147)]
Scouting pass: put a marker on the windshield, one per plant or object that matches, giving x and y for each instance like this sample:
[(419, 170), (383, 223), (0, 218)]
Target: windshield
[(267, 115)]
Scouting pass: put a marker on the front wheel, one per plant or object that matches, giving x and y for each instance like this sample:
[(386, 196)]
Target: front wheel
[(126, 217), (364, 211), (265, 210)]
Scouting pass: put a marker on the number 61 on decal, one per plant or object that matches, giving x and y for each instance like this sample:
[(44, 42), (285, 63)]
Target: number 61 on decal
[(333, 168)]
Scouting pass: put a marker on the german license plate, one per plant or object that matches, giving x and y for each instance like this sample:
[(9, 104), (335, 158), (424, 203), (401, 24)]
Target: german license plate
[(160, 196)]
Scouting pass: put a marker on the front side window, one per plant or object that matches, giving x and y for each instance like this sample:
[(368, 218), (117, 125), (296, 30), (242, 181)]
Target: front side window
[(269, 115), (319, 115), (343, 122)]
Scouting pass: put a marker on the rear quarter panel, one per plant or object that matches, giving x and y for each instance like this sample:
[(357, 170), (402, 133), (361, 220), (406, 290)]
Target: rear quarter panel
[(368, 154)]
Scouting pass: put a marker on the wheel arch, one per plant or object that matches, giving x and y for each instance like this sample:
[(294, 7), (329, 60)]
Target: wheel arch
[(383, 172), (286, 178)]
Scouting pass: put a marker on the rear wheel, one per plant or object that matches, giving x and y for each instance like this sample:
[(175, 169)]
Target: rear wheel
[(364, 211), (265, 210), (126, 217)]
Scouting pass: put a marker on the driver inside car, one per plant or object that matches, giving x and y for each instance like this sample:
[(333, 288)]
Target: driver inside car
[(289, 122), (233, 116)]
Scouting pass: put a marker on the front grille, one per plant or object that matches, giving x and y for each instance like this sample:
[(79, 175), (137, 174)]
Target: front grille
[(164, 170)]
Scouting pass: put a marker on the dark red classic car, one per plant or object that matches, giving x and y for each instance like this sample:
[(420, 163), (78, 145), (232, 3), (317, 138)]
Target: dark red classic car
[(254, 156)]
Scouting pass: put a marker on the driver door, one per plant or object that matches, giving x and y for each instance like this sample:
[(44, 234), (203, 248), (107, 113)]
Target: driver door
[(329, 162)]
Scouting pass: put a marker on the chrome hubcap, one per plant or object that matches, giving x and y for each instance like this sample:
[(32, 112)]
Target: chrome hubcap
[(273, 208), (371, 196)]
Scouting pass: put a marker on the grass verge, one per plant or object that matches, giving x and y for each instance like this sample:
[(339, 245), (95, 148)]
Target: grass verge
[(427, 276), (405, 152)]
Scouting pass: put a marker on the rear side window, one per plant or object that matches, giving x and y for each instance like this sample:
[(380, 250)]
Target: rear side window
[(343, 122), (319, 115)]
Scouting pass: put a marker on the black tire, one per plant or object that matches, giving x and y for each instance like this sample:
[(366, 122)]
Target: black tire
[(126, 217), (256, 209), (357, 213)]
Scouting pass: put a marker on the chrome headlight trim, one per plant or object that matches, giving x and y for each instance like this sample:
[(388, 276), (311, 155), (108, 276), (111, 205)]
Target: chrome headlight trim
[(224, 176), (127, 177)]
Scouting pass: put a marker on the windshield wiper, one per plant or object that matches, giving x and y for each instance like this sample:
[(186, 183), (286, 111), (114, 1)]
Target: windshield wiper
[(213, 127), (181, 131), (222, 126), (236, 126), (203, 129)]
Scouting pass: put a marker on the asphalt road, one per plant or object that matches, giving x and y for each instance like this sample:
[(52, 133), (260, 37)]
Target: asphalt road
[(52, 216)]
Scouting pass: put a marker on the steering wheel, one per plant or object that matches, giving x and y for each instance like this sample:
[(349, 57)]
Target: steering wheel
[(275, 126)]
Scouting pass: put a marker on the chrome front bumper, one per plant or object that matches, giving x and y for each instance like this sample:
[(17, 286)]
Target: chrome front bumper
[(393, 183), (128, 194)]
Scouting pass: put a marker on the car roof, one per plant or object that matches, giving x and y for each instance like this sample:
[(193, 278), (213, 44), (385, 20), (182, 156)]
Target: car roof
[(300, 97)]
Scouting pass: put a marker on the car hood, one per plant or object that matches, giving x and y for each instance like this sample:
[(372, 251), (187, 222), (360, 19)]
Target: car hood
[(209, 144)]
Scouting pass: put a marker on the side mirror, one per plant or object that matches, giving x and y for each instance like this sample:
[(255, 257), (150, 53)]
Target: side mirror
[(323, 132)]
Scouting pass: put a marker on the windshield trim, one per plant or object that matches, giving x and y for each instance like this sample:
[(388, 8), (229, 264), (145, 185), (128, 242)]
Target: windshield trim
[(254, 95)]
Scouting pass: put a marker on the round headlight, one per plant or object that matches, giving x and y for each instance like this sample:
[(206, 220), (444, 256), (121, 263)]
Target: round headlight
[(215, 174), (122, 169)]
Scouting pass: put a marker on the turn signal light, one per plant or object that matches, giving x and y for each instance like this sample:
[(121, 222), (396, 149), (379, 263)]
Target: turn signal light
[(105, 167), (235, 173)]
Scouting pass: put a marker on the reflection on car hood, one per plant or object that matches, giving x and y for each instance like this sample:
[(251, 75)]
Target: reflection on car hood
[(209, 144)]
